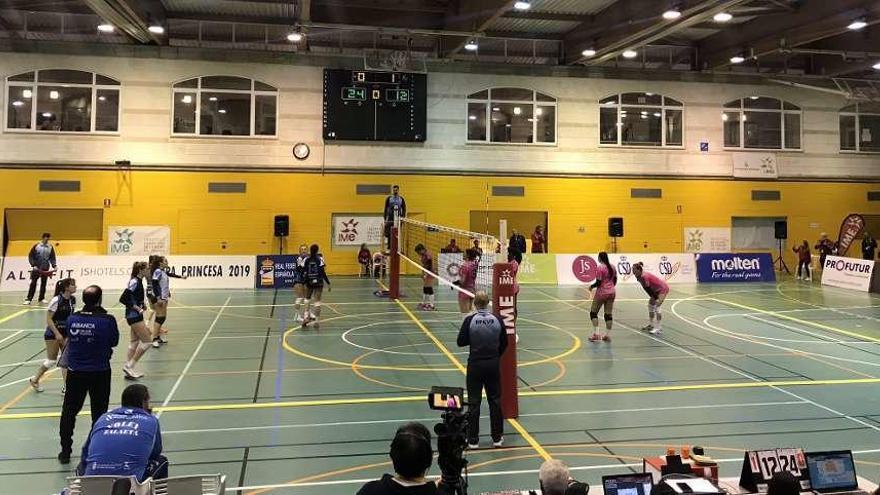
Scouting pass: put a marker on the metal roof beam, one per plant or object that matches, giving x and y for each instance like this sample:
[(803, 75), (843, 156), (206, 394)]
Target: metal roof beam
[(474, 16)]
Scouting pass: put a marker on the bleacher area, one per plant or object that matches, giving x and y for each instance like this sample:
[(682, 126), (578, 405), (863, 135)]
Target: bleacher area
[(241, 390)]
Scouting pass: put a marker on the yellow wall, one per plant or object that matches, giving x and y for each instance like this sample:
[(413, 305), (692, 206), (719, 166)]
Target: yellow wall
[(200, 221)]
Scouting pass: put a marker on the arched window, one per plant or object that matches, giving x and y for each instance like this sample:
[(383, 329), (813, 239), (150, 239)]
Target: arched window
[(511, 115), (224, 106), (641, 120), (758, 122), (860, 128), (61, 100)]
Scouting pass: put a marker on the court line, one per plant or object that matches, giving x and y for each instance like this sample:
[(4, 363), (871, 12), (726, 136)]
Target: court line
[(16, 334), (798, 320), (14, 315), (191, 360), (15, 399), (538, 393)]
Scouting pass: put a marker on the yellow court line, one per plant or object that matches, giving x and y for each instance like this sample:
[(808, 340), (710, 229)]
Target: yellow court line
[(798, 320), (15, 399), (13, 315), (536, 393)]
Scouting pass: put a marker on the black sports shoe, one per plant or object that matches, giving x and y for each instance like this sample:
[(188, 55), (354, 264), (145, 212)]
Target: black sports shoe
[(64, 457)]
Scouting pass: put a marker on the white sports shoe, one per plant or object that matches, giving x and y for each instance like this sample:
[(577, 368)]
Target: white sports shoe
[(656, 331), (499, 443), (647, 328), (42, 301), (27, 302), (35, 385), (131, 373), (473, 446)]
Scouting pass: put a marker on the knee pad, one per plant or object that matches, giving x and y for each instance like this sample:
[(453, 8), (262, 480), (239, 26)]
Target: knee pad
[(657, 310), (49, 363), (143, 346), (160, 320), (594, 315), (608, 317)]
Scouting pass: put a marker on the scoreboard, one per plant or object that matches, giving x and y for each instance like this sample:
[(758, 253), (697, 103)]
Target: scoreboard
[(364, 105)]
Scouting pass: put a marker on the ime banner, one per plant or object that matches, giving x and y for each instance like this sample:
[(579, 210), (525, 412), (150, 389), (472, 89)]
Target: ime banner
[(730, 267), (850, 230), (504, 306)]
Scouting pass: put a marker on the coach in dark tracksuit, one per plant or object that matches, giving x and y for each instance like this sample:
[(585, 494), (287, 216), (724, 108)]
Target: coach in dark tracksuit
[(40, 257), (92, 335), (485, 335)]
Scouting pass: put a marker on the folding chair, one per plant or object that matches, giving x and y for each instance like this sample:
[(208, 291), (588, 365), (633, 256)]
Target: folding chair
[(198, 484), (104, 485)]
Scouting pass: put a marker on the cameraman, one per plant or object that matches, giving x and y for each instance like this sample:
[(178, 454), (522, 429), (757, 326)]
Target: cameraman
[(555, 479), (485, 335), (411, 455)]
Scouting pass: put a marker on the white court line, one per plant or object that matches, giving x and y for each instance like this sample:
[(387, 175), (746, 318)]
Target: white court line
[(16, 382), (12, 365), (193, 357), (16, 334), (533, 415), (486, 474)]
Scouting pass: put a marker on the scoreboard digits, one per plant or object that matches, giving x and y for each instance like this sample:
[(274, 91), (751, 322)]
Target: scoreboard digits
[(374, 106)]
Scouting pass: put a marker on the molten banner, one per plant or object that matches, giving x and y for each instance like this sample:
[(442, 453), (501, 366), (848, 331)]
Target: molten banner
[(504, 306), (850, 229)]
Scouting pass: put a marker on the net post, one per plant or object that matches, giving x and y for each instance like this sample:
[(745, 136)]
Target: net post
[(394, 268), (502, 236), (504, 307)]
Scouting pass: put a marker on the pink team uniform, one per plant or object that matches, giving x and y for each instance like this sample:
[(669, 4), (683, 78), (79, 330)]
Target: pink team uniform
[(515, 270), (605, 291), (653, 285), (467, 275)]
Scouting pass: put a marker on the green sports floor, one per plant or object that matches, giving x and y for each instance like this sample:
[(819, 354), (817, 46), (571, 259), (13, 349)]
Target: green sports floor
[(284, 410)]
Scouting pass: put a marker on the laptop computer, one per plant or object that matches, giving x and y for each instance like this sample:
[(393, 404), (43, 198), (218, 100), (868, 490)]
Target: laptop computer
[(628, 484), (833, 472)]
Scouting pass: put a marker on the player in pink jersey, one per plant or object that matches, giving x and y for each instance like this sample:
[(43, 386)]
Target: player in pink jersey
[(606, 280), (467, 280), (657, 290), (427, 261)]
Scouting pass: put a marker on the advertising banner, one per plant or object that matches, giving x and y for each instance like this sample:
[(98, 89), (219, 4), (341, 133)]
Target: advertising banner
[(275, 271), (672, 268), (504, 305), (113, 272), (728, 267), (848, 273), (755, 165), (537, 269), (707, 240), (850, 229), (576, 269), (139, 240), (354, 229)]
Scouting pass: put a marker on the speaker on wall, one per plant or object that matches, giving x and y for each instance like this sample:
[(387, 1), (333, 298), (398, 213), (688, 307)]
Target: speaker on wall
[(780, 229), (615, 227), (282, 225)]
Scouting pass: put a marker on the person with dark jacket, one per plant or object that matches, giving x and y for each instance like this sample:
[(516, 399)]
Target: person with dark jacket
[(91, 336), (41, 258), (825, 246), (411, 455), (126, 441), (483, 332), (518, 242), (869, 247)]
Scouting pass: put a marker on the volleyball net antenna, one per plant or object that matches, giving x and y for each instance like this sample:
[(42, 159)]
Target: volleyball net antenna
[(445, 249)]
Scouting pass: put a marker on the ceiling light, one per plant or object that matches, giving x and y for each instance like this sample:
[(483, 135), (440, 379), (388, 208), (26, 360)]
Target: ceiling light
[(472, 117), (630, 54), (47, 114), (517, 110), (54, 95), (539, 111), (656, 114), (877, 66), (17, 103), (496, 109), (213, 98), (106, 28), (522, 5), (471, 45), (644, 116), (857, 24), (222, 110), (102, 98), (724, 117), (672, 14), (589, 52), (156, 29), (187, 99), (295, 37), (27, 93), (722, 17), (737, 59), (754, 97)]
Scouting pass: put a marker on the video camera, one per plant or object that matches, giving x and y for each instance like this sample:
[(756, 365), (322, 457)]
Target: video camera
[(451, 438)]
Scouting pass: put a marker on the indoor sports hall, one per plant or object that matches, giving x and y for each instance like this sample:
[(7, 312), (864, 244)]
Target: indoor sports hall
[(639, 234)]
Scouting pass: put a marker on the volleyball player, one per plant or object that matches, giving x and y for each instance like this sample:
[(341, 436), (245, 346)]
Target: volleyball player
[(315, 273), (62, 305), (159, 280), (133, 299), (657, 290), (603, 298), (467, 280), (299, 284), (426, 258)]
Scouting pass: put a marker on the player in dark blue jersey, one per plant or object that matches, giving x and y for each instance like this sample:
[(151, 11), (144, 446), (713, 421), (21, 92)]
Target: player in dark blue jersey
[(299, 284), (315, 272), (160, 275), (133, 298), (60, 308)]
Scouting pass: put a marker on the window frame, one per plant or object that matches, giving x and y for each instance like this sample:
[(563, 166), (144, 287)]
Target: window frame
[(663, 130), (742, 124), (858, 141), (34, 87), (489, 102), (198, 90)]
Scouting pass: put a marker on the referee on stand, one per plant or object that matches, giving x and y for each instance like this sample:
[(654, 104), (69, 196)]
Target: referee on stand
[(92, 335), (485, 335)]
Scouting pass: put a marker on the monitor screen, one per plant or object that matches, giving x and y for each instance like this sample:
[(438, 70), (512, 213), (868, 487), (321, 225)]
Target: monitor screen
[(832, 471), (628, 484)]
